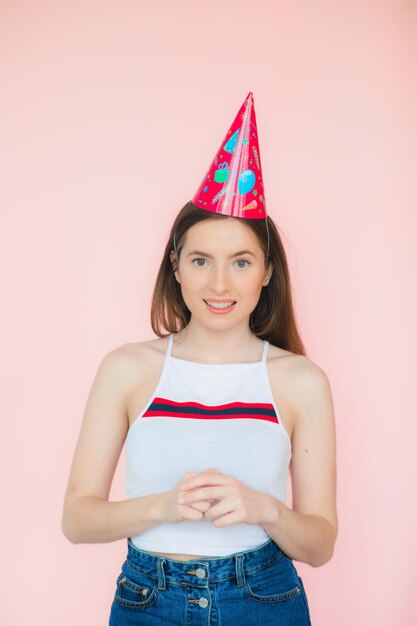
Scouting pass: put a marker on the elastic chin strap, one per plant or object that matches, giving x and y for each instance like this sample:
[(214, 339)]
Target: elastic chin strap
[(267, 232), (175, 249), (267, 247)]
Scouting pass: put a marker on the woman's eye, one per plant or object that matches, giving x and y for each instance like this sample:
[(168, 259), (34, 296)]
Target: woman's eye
[(198, 259), (243, 261)]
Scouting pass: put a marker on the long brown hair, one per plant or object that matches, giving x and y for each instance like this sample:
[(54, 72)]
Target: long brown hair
[(273, 317)]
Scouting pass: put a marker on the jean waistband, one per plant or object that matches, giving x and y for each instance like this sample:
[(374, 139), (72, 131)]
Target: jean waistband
[(208, 568)]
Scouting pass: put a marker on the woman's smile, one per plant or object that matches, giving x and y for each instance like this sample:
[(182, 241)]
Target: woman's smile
[(220, 307)]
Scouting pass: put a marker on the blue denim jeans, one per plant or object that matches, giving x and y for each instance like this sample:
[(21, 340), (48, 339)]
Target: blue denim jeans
[(255, 587)]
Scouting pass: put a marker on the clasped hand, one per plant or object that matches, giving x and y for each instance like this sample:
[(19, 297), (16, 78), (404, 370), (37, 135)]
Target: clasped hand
[(232, 501)]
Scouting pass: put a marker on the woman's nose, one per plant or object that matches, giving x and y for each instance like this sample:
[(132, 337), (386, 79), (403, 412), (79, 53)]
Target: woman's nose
[(220, 278)]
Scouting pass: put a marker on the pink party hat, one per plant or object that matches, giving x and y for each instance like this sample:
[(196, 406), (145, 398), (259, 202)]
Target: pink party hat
[(233, 184)]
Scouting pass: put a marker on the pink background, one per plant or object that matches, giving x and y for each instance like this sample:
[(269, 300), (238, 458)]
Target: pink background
[(98, 99)]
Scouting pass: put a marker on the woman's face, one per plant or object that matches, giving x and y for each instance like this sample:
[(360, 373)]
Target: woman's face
[(221, 261)]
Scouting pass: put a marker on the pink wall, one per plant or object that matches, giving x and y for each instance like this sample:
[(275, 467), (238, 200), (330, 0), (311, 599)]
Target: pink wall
[(98, 99)]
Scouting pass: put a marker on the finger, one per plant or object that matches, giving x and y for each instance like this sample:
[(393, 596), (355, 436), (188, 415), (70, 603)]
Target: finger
[(189, 512), (226, 520), (201, 505), (207, 478), (223, 507), (189, 475), (201, 494)]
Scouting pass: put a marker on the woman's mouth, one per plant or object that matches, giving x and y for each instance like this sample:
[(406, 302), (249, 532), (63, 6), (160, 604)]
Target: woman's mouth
[(220, 308)]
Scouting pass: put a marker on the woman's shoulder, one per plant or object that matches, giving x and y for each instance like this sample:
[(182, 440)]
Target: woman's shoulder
[(134, 354), (300, 370), (298, 382)]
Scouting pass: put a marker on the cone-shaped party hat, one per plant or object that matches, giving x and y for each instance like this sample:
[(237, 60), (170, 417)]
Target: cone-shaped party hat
[(233, 185)]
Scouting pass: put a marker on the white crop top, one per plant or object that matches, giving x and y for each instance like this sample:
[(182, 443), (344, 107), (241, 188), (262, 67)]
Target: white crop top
[(207, 415)]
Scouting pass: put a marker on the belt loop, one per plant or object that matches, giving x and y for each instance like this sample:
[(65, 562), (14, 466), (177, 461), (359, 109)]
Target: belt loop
[(240, 570), (161, 574)]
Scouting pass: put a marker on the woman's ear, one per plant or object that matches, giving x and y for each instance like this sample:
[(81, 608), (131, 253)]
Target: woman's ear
[(268, 275), (174, 264)]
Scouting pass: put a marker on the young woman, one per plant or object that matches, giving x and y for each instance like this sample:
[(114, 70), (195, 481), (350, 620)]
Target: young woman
[(214, 413)]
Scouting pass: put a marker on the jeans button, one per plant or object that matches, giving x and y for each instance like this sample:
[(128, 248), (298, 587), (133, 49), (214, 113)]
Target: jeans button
[(203, 602), (200, 572)]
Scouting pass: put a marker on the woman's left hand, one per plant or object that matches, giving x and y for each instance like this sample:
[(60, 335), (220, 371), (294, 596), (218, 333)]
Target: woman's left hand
[(235, 501)]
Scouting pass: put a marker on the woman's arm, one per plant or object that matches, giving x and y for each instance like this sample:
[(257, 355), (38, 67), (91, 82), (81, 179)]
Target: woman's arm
[(88, 516), (308, 531), (93, 520)]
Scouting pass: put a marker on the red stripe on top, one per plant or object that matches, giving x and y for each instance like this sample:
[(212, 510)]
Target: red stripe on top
[(268, 418)]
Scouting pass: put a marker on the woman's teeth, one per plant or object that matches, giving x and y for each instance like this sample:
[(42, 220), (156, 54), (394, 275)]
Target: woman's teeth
[(220, 305)]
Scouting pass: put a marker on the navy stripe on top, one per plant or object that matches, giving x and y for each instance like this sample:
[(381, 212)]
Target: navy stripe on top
[(163, 407)]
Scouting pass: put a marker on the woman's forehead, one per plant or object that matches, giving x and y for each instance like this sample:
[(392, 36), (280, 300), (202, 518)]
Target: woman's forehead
[(221, 235)]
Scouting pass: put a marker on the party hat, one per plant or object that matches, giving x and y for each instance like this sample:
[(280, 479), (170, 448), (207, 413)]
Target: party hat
[(233, 184)]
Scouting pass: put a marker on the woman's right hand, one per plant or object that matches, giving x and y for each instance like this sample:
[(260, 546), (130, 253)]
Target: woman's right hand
[(172, 511)]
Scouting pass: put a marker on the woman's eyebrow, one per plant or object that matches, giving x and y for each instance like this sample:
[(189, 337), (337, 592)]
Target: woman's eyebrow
[(210, 257)]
